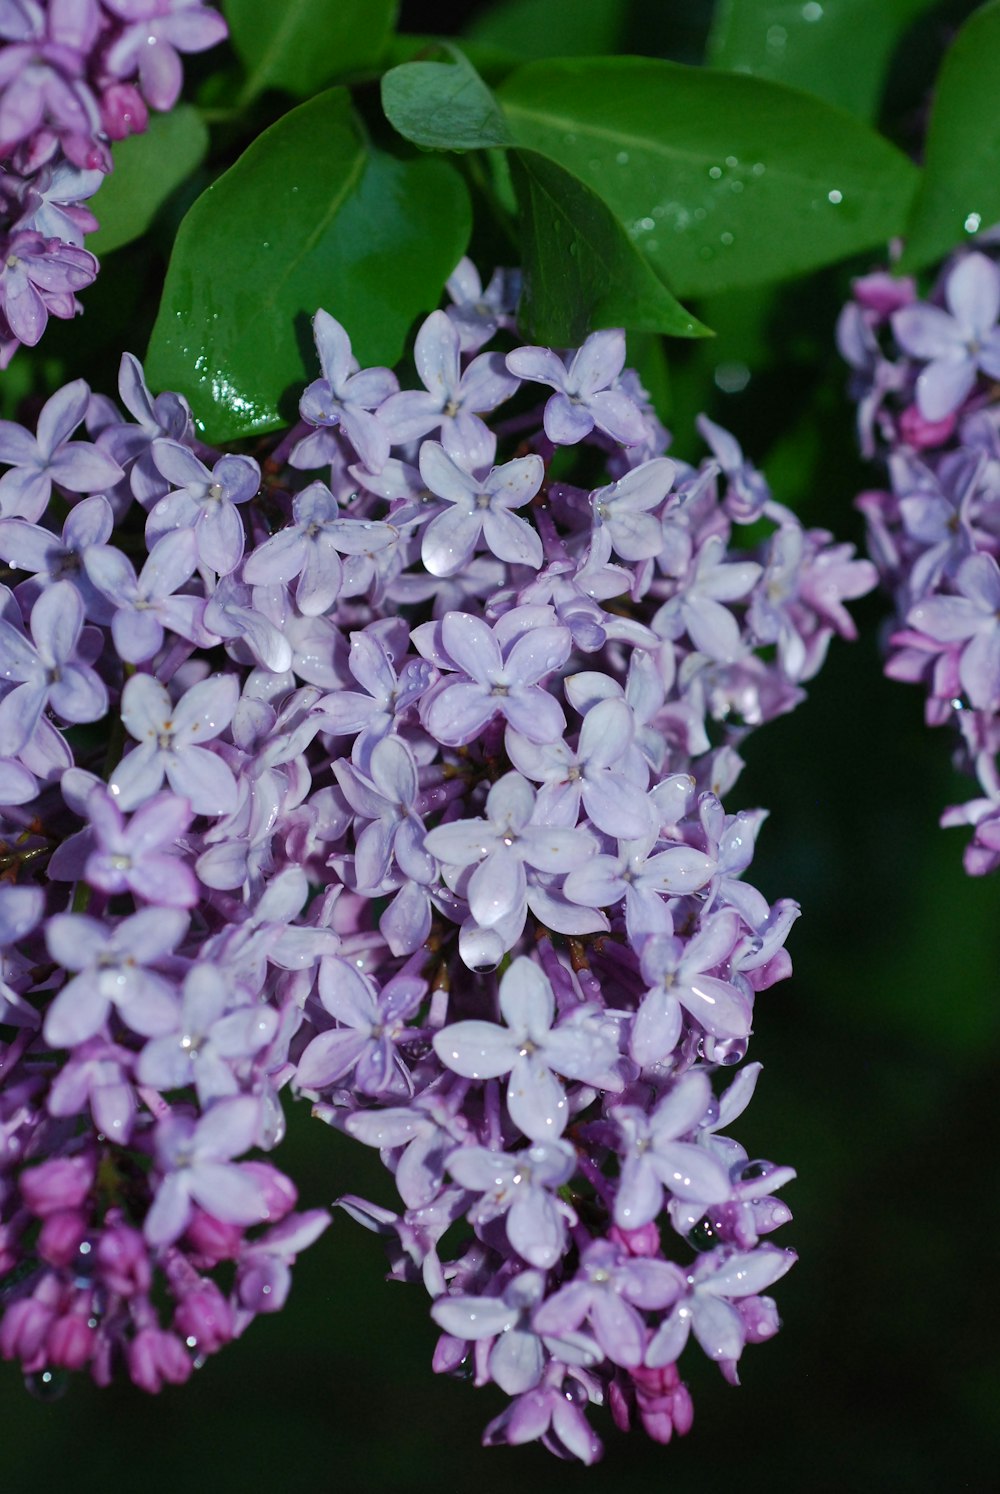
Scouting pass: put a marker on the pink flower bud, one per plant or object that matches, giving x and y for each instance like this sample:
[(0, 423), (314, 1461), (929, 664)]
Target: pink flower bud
[(123, 1257), (60, 1184), (61, 1236), (156, 1358), (24, 1329), (280, 1194), (213, 1240), (70, 1342), (123, 111), (205, 1317), (920, 433), (642, 1241)]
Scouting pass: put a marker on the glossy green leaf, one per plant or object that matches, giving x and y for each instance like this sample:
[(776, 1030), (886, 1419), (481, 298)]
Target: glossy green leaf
[(839, 50), (299, 45), (443, 105), (580, 269), (720, 179), (147, 168), (309, 216), (960, 192), (552, 28)]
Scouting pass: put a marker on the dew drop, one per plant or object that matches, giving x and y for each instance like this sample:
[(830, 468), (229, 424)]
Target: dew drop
[(731, 378), (622, 158), (47, 1384), (834, 196), (715, 172), (732, 162), (812, 11), (758, 168), (703, 1236), (736, 185), (726, 238), (972, 222)]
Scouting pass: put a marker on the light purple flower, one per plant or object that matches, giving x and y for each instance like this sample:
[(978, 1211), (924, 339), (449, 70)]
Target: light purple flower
[(501, 845), (170, 737), (195, 1159), (49, 671), (505, 683), (970, 618), (958, 342), (624, 508), (217, 1031), (345, 396), (585, 395), (479, 506), (136, 856), (155, 31), (36, 462), (112, 963), (676, 973), (530, 1050), (146, 605), (707, 1307), (203, 501), (655, 1159), (373, 1025), (609, 1287), (523, 1186)]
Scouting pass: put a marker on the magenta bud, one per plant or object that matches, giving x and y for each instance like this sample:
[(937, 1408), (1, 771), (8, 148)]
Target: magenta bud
[(920, 433), (156, 1358), (24, 1329), (205, 1317), (123, 1257), (212, 1239), (280, 1193), (643, 1241), (60, 1184), (61, 1236), (70, 1342), (123, 111), (884, 293)]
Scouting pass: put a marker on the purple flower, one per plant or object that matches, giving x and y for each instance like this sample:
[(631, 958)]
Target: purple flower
[(203, 501), (521, 1185), (530, 1050), (585, 394), (136, 856), (495, 682), (373, 1024), (153, 34), (654, 1159), (958, 342), (217, 1031), (36, 462), (607, 1290), (478, 507), (707, 1307), (676, 973), (170, 736), (47, 672), (345, 396), (969, 618), (195, 1160), (38, 278), (145, 605), (112, 964)]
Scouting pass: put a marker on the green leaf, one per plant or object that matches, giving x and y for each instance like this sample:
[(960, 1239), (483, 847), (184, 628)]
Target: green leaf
[(552, 28), (721, 180), (580, 270), (839, 50), (443, 105), (309, 216), (299, 45), (147, 168), (960, 192)]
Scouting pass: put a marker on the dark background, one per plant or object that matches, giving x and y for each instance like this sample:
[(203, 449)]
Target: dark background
[(880, 1059)]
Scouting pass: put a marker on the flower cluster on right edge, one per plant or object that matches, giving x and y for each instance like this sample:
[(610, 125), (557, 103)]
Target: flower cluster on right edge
[(924, 375)]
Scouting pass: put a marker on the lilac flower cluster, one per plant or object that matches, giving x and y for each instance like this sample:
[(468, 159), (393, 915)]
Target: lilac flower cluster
[(390, 773), (924, 378), (74, 75)]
